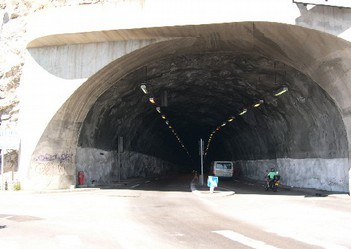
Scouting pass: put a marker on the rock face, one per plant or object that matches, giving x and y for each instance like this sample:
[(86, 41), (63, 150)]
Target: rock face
[(13, 20)]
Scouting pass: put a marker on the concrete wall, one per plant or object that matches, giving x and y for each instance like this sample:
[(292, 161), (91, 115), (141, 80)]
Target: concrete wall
[(51, 75), (319, 173), (132, 14), (102, 167)]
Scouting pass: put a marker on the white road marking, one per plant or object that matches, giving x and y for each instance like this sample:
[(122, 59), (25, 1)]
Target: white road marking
[(136, 185), (308, 239), (244, 240)]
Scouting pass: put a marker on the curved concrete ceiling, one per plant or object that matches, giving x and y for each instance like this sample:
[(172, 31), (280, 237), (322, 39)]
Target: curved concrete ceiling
[(204, 90)]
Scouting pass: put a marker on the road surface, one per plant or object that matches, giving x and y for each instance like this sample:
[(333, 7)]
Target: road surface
[(164, 213)]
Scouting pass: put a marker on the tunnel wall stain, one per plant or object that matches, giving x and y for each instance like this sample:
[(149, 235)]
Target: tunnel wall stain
[(318, 173), (101, 166)]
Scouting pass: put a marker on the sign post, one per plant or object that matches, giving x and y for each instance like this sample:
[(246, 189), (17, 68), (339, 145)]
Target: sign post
[(9, 139), (2, 168), (202, 161), (119, 152)]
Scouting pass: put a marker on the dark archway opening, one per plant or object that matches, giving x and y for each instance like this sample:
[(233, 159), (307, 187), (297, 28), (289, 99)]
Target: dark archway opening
[(203, 91)]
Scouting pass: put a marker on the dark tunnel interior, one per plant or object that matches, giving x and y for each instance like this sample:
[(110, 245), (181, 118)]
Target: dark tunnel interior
[(203, 91)]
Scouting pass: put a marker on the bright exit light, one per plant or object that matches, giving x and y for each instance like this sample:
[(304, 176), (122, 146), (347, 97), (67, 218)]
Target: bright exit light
[(281, 91), (143, 88)]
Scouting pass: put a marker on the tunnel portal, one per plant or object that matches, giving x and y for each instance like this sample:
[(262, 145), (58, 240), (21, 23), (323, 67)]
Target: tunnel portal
[(201, 77), (204, 91)]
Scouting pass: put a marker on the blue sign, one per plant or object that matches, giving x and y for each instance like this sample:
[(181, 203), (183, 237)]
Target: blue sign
[(212, 181)]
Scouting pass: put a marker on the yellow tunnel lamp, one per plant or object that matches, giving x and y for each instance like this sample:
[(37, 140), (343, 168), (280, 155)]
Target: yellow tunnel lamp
[(243, 111), (231, 119), (281, 91), (258, 103), (152, 100)]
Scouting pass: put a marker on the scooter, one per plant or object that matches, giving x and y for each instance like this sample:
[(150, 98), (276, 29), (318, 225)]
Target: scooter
[(273, 184)]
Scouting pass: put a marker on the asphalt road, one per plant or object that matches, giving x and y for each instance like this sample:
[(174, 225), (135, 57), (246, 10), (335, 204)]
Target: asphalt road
[(164, 213)]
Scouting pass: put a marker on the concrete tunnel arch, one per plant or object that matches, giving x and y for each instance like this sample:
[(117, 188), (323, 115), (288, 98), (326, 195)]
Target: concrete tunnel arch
[(242, 57)]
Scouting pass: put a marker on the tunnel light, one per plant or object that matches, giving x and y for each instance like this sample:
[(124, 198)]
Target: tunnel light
[(163, 117), (231, 119), (167, 122), (224, 124), (170, 127), (281, 91), (218, 128), (143, 88), (257, 104), (152, 100), (158, 109), (243, 111)]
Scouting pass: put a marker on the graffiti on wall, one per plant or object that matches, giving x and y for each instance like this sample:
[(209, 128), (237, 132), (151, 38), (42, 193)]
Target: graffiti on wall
[(64, 157), (53, 164)]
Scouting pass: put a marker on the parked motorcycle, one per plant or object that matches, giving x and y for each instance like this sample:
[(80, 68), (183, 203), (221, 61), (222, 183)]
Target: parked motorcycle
[(273, 184)]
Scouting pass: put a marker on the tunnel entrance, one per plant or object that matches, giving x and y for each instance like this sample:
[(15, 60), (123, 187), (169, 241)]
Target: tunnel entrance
[(202, 78), (296, 132)]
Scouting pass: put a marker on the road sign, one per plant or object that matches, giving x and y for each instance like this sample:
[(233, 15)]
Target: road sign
[(212, 181), (9, 139)]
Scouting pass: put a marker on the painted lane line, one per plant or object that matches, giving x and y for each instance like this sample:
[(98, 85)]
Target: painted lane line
[(136, 185), (244, 240)]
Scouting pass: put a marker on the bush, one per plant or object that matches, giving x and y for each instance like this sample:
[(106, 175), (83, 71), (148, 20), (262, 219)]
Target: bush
[(17, 186)]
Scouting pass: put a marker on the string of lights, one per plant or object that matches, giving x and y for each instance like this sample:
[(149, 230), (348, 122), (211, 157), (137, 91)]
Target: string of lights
[(241, 112), (164, 117)]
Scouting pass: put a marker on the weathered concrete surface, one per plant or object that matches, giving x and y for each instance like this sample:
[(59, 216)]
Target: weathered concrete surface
[(210, 72), (101, 166), (126, 15), (319, 173)]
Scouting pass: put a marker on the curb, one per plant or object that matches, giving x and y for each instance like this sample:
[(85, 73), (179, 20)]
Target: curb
[(220, 192)]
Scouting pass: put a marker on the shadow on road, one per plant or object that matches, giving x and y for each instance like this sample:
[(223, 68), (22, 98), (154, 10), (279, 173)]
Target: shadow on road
[(242, 186)]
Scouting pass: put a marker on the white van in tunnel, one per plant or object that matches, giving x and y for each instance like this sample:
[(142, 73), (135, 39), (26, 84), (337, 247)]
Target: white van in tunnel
[(222, 168)]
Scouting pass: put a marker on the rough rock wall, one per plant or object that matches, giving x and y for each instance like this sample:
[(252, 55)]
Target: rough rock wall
[(101, 166), (319, 173), (13, 24)]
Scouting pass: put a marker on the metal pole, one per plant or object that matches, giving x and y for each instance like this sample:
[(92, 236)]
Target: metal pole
[(119, 152), (202, 160), (2, 169), (119, 166)]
